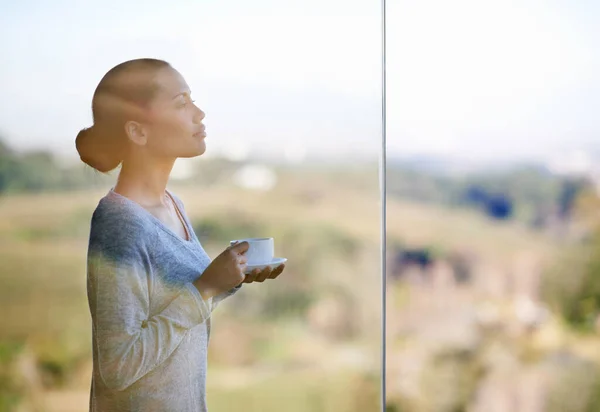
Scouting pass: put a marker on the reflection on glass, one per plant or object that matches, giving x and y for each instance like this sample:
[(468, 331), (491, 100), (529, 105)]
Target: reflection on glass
[(493, 298)]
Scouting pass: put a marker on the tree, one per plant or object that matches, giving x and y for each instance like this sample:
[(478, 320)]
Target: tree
[(572, 285), (9, 166)]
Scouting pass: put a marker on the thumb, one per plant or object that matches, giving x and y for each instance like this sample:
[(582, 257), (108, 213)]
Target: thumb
[(241, 247)]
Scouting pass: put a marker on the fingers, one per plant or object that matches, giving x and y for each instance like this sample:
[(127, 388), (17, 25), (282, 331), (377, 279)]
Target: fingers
[(258, 275), (240, 247), (250, 277), (243, 267), (277, 271), (264, 274)]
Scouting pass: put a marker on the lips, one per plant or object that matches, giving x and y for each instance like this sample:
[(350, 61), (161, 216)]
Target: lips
[(201, 132)]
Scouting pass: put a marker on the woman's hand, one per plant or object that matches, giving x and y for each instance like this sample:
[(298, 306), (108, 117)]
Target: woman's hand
[(225, 272), (258, 275)]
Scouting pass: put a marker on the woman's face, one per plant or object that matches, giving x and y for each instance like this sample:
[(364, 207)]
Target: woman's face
[(174, 126)]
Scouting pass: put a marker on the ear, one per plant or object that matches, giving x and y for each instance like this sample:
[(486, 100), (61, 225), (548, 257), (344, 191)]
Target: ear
[(136, 132)]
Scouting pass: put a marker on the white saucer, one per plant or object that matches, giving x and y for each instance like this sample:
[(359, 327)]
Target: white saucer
[(273, 264)]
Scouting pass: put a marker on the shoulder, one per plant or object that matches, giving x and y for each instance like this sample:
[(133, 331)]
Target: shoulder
[(120, 228)]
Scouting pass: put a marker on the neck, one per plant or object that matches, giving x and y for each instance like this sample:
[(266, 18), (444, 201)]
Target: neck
[(145, 180)]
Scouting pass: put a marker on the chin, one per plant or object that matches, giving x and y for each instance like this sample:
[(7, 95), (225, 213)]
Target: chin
[(198, 150), (202, 148)]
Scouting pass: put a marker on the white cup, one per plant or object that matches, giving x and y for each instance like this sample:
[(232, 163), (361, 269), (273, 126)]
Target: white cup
[(260, 251)]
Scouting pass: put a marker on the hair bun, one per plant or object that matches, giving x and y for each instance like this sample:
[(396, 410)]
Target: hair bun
[(95, 150)]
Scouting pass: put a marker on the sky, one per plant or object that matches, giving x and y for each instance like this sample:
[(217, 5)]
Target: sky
[(475, 79)]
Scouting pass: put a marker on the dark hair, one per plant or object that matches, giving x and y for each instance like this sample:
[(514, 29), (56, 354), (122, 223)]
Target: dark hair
[(122, 94)]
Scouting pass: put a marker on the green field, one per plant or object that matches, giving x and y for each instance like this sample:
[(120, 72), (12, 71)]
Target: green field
[(309, 341)]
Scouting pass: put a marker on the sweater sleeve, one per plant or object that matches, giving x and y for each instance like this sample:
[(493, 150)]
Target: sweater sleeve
[(130, 343), (219, 298)]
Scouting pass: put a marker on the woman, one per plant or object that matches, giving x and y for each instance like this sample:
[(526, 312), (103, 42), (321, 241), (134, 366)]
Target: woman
[(151, 286)]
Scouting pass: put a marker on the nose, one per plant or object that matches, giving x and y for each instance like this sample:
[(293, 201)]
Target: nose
[(199, 115)]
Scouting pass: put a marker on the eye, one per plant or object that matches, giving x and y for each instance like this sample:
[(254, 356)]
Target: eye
[(185, 103)]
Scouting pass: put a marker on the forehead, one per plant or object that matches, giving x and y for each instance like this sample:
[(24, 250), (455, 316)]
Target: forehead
[(170, 83)]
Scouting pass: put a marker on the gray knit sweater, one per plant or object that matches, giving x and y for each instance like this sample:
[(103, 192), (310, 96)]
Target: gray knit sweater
[(150, 325)]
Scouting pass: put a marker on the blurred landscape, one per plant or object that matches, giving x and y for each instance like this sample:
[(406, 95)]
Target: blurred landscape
[(308, 341), (492, 301), (493, 178), (493, 293)]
